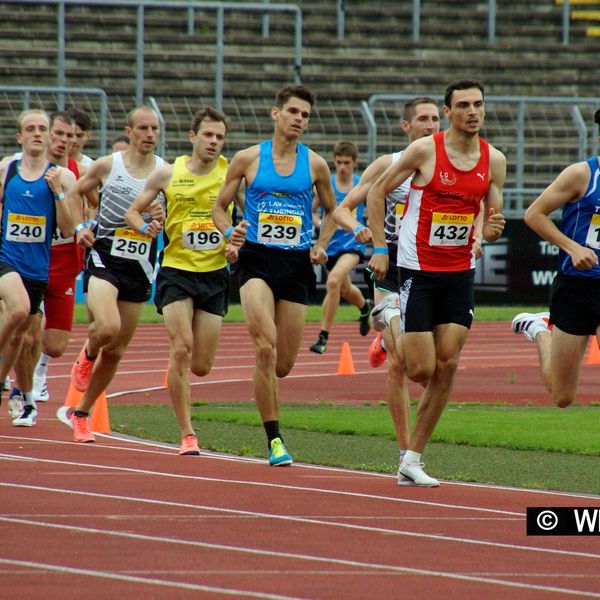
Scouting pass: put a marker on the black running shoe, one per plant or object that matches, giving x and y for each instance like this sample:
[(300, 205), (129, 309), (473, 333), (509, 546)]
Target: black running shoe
[(364, 321), (319, 346)]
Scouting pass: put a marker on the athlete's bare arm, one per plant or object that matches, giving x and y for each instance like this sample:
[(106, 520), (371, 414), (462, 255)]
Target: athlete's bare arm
[(493, 219), (416, 157), (242, 167), (60, 181), (322, 182), (343, 214), (568, 187), (156, 183)]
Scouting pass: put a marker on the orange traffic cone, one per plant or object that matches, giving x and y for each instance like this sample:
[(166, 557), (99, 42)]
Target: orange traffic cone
[(73, 396), (99, 421), (346, 365), (593, 353), (166, 377)]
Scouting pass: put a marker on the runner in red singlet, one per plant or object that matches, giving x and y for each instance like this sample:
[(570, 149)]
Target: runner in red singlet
[(455, 173)]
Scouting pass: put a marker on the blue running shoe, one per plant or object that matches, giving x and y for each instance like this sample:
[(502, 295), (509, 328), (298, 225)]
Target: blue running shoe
[(278, 455)]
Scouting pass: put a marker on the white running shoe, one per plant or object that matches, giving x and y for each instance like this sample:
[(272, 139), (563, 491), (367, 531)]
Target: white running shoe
[(530, 324), (27, 418), (413, 471), (15, 405), (40, 390), (383, 313)]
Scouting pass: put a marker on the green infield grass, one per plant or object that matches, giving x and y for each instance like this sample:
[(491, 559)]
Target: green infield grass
[(345, 313), (533, 447)]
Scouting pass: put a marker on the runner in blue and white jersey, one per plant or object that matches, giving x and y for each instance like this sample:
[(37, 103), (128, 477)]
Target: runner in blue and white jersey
[(562, 333), (275, 260)]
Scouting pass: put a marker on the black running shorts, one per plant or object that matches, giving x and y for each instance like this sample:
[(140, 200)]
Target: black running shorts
[(430, 298), (575, 304), (289, 273), (208, 290)]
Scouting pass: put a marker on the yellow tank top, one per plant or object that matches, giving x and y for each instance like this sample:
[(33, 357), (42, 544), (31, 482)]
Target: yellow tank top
[(192, 242)]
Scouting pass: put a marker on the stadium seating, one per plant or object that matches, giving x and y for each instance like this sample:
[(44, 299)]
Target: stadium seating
[(377, 55)]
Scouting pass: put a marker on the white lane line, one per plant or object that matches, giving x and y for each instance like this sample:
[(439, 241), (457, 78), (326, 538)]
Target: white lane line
[(295, 519), (270, 486), (309, 557), (144, 580), (322, 468)]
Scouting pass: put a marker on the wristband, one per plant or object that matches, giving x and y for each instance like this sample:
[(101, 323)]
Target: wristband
[(380, 251), (59, 196), (144, 227), (358, 228), (228, 231), (81, 226)]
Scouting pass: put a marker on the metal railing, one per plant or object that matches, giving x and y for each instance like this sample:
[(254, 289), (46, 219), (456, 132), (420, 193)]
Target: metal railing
[(58, 98), (565, 135), (491, 21), (189, 6)]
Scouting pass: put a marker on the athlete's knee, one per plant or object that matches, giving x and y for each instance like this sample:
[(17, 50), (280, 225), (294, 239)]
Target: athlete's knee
[(201, 368), (283, 369), (105, 333), (17, 317), (334, 284), (265, 353), (55, 349), (562, 400)]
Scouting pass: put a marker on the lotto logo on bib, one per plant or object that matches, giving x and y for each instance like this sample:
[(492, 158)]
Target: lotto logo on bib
[(450, 229), (283, 230)]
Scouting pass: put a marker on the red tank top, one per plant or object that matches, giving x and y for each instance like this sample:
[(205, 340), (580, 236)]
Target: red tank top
[(439, 216), (66, 257)]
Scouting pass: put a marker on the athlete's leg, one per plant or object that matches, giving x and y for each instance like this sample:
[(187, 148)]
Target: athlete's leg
[(337, 278), (562, 370), (449, 340), (111, 353), (258, 305), (178, 318), (14, 311), (289, 320)]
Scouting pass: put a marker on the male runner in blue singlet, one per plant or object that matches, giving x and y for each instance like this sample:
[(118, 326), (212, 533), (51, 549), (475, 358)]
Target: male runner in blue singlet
[(276, 274)]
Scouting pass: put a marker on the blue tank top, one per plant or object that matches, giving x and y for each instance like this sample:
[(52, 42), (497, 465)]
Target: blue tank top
[(28, 221), (581, 222), (279, 208), (342, 240)]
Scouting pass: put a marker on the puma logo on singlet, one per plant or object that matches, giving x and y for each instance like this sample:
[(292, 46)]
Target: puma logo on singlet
[(482, 175)]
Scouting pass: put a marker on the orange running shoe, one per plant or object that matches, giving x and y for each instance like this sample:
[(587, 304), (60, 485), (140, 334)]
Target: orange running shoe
[(81, 373), (189, 446), (377, 353), (79, 425)]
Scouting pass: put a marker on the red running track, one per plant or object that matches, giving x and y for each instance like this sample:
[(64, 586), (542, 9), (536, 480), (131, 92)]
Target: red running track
[(122, 518)]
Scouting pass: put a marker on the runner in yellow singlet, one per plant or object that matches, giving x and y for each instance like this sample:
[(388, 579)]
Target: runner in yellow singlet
[(192, 285)]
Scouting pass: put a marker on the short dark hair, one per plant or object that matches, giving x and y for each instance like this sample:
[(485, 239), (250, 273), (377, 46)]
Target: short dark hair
[(294, 91), (63, 115), (121, 138), (461, 84), (410, 106), (346, 148), (597, 117), (209, 114), (81, 118)]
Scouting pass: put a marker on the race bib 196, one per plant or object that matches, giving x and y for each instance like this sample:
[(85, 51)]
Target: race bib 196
[(26, 228), (283, 230), (131, 244), (200, 234), (449, 229)]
